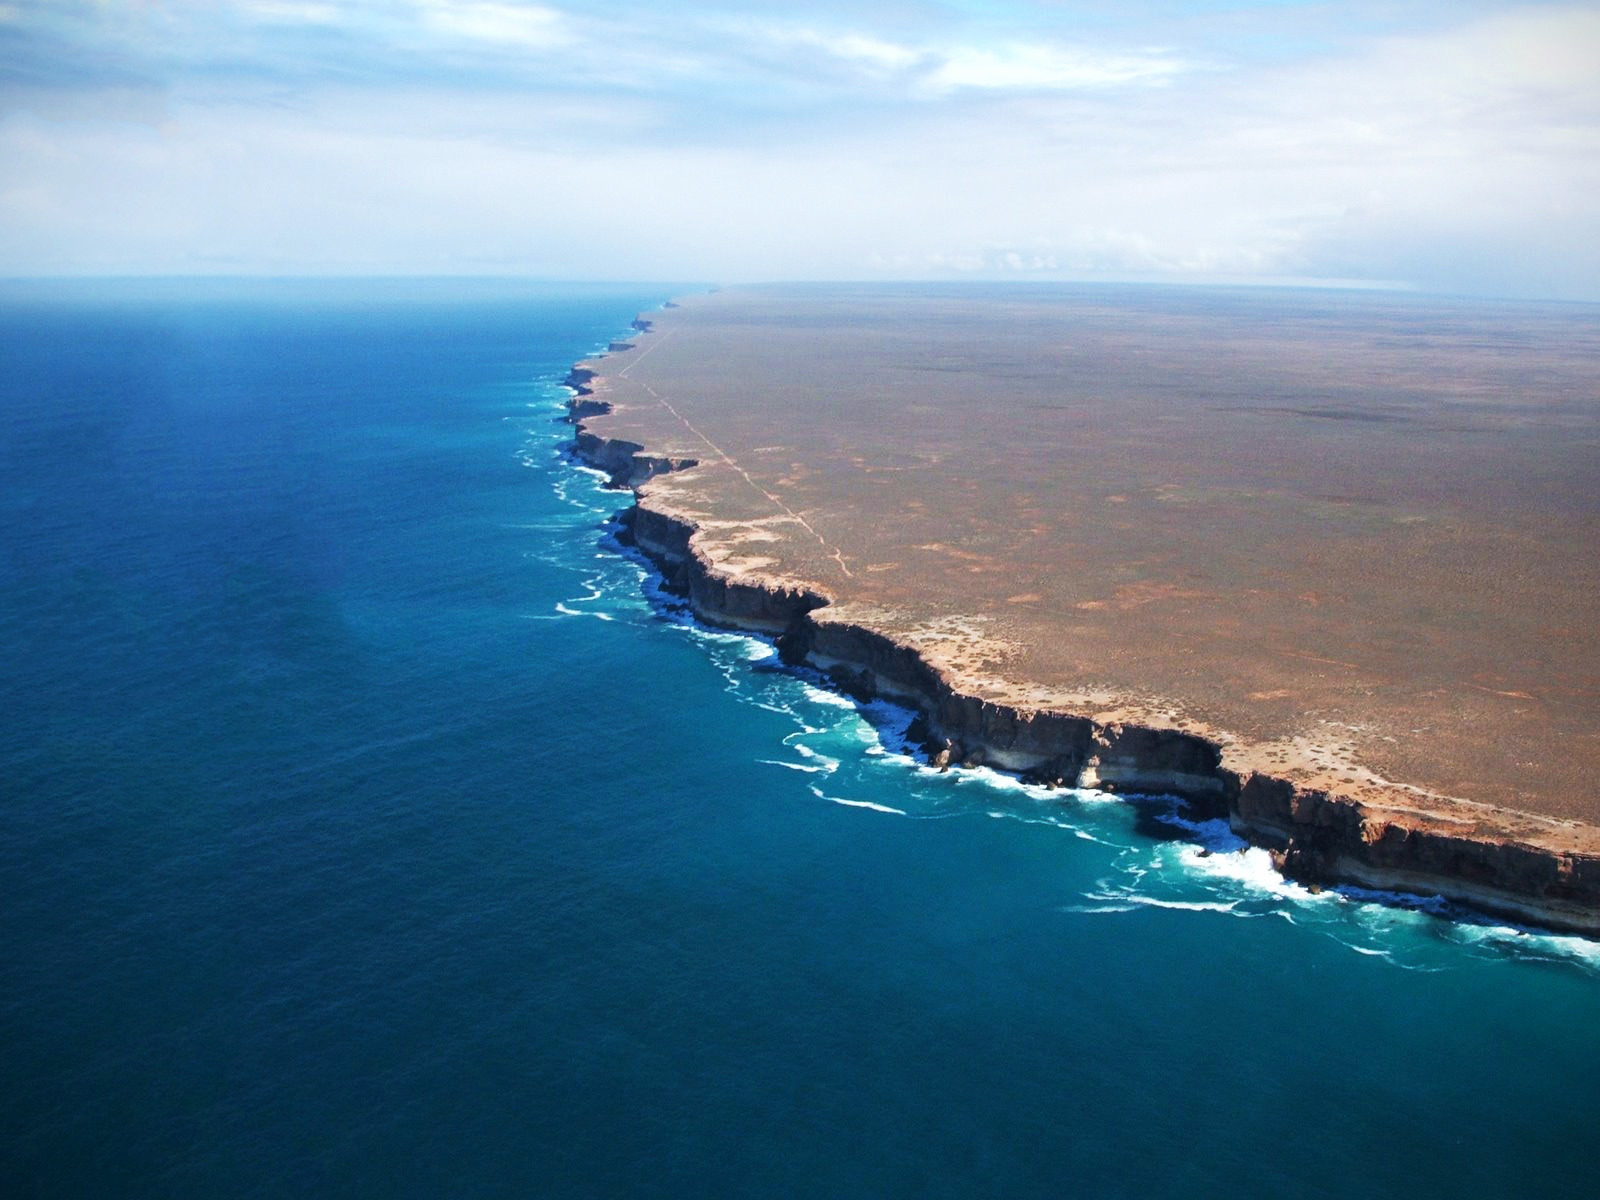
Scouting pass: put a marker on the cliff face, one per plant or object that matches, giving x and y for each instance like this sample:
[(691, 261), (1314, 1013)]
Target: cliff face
[(624, 462), (1316, 837), (714, 595), (1320, 838), (1046, 746)]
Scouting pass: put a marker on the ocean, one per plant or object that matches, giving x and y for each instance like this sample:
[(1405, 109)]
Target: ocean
[(370, 825)]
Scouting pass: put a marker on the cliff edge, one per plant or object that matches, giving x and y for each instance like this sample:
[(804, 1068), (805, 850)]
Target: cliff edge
[(1326, 821)]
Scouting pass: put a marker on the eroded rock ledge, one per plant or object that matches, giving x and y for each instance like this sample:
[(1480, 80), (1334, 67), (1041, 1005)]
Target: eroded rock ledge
[(1509, 865)]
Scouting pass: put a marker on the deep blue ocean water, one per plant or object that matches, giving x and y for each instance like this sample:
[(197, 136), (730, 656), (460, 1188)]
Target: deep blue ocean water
[(369, 828)]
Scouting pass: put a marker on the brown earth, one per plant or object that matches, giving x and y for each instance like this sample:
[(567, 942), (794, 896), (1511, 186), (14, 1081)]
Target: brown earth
[(1351, 540)]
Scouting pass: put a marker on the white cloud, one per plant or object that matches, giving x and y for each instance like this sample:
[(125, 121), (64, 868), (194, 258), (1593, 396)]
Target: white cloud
[(938, 67), (1042, 67), (1468, 158), (292, 12), (504, 24), (855, 47)]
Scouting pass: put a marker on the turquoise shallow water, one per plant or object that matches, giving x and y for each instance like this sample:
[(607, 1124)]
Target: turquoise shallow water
[(369, 827)]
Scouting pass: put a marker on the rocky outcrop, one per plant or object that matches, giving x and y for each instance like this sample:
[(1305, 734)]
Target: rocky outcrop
[(624, 462), (715, 595), (1315, 836), (1318, 838)]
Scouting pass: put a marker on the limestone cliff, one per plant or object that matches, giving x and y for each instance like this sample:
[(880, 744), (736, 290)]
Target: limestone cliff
[(1499, 862)]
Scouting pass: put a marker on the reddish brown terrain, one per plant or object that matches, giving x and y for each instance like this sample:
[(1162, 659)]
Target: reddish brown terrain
[(1326, 561)]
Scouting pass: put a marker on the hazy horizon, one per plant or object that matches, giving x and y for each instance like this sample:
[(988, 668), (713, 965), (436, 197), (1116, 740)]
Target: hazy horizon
[(1450, 148)]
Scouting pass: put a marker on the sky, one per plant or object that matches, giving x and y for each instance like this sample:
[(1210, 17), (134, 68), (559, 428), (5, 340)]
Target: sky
[(1444, 145)]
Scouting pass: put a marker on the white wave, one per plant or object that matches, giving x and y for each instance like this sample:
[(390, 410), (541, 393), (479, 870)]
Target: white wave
[(1214, 835), (823, 761), (1488, 936), (561, 523), (822, 696), (1384, 916), (999, 781), (1381, 901), (749, 649), (1534, 944), (1052, 820), (1387, 955), (1182, 905), (1093, 909), (579, 612), (1107, 893), (883, 808), (1054, 798), (1252, 867), (890, 723), (806, 767), (776, 707), (912, 772), (1087, 796)]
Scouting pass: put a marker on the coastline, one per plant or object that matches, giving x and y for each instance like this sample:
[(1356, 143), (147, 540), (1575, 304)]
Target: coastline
[(1510, 865)]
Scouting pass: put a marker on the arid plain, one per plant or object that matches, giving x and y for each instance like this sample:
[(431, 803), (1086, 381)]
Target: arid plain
[(1353, 538)]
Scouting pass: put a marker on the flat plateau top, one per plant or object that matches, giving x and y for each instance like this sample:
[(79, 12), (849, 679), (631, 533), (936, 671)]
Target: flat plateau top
[(1355, 537)]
